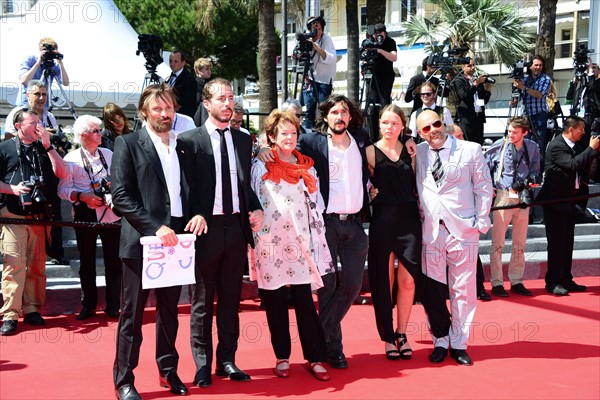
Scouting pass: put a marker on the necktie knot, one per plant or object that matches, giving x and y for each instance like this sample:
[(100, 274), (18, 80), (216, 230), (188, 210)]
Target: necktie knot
[(222, 131)]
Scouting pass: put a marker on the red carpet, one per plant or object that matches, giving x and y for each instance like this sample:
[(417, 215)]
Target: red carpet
[(543, 347)]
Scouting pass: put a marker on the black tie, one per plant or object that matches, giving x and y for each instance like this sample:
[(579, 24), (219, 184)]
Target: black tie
[(225, 175), (438, 170)]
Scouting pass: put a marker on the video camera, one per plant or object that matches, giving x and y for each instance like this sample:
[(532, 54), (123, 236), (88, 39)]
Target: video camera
[(152, 48), (449, 58), (50, 55), (304, 46), (580, 60), (368, 50), (518, 69), (35, 185)]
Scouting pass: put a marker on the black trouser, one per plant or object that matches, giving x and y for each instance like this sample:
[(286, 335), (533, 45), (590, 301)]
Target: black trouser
[(86, 244), (310, 329), (560, 232), (55, 248)]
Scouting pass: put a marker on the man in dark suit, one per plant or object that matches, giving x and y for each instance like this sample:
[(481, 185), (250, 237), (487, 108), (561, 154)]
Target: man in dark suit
[(221, 198), (413, 92), (563, 167), (473, 93), (183, 83), (149, 191)]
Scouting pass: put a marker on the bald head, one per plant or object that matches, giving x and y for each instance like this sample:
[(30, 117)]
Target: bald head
[(431, 129)]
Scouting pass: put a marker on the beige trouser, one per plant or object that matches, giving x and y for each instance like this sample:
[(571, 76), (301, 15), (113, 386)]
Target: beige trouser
[(24, 271), (519, 218)]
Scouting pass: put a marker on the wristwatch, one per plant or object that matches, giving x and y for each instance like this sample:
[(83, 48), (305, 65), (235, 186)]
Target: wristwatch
[(49, 148)]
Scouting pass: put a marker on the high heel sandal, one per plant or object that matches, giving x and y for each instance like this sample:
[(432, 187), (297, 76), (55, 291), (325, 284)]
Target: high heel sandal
[(403, 346), (392, 354), (282, 372)]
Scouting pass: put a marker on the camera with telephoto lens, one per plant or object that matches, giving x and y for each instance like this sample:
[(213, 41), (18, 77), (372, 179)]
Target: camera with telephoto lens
[(449, 58), (35, 185), (368, 51), (60, 141), (151, 46), (595, 129), (518, 69), (522, 186), (489, 79), (580, 60), (304, 46), (50, 55)]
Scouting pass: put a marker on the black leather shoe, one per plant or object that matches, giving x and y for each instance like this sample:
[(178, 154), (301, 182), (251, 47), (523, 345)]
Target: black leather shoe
[(9, 327), (438, 355), (231, 371), (85, 313), (172, 381), (461, 357), (338, 361), (203, 378), (557, 290), (127, 392), (34, 318), (499, 291), (484, 296), (520, 289), (112, 313), (61, 261), (573, 287)]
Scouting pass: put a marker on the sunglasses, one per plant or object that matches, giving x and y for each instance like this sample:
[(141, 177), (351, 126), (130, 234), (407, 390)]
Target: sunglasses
[(426, 93), (436, 124)]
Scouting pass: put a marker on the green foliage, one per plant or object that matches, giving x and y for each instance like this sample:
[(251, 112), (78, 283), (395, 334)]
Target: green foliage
[(232, 42), (494, 26)]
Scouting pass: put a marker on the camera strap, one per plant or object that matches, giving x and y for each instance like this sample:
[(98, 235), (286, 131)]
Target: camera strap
[(30, 158), (87, 166), (516, 163)]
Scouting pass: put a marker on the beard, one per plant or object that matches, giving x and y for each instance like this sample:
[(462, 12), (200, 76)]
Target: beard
[(163, 126), (338, 129), (216, 115)]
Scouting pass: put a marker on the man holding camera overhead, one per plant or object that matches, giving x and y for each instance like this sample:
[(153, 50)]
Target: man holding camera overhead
[(323, 59), (27, 162), (473, 94), (33, 67), (515, 166)]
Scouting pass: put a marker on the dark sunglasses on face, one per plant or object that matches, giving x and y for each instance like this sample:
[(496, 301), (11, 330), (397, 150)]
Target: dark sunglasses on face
[(436, 124), (426, 93)]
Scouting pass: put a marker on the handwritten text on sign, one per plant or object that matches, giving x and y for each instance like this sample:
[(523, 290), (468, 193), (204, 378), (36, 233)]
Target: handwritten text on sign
[(165, 266)]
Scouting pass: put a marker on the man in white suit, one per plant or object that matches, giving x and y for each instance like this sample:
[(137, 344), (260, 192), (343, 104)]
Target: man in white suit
[(455, 191)]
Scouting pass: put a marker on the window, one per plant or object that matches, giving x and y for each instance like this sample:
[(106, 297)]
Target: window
[(363, 18), (408, 8), (565, 45), (7, 6)]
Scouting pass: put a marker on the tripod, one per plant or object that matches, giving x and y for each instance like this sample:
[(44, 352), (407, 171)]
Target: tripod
[(581, 83), (48, 76), (373, 102), (303, 69), (150, 79)]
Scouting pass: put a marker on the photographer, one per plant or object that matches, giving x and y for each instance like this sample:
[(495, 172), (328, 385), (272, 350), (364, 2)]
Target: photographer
[(87, 186), (323, 60), (413, 91), (473, 94), (384, 63), (27, 161), (534, 90), (33, 67), (515, 167)]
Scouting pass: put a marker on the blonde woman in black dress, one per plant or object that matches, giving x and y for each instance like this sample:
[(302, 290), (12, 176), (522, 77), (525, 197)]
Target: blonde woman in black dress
[(394, 233)]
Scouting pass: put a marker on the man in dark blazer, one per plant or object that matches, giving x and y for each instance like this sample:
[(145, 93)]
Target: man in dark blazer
[(183, 82), (150, 192), (225, 211), (413, 91), (564, 164), (473, 93)]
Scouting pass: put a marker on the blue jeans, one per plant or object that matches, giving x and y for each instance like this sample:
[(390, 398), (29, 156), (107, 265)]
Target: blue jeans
[(308, 98), (348, 241)]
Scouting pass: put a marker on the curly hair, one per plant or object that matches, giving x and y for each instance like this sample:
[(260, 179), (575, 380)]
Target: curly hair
[(324, 108)]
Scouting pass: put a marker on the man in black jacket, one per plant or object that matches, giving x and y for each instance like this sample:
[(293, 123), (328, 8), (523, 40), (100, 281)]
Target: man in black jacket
[(183, 83)]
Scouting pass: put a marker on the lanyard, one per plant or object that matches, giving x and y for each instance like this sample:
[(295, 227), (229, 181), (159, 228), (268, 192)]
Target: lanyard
[(88, 167)]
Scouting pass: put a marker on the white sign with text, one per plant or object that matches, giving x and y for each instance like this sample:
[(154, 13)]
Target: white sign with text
[(165, 266)]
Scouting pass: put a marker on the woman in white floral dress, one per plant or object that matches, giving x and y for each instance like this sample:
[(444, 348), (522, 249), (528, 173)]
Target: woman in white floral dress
[(291, 250)]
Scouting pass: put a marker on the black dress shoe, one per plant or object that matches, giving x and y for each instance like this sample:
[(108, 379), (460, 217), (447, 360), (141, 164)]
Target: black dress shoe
[(231, 371), (438, 355), (338, 361), (520, 289), (573, 287), (203, 378), (557, 290), (461, 357), (127, 392), (34, 318), (112, 313), (499, 291), (85, 313), (9, 327), (61, 261), (172, 381), (484, 296)]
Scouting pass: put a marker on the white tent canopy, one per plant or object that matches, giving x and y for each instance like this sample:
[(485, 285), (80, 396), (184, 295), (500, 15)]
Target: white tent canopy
[(98, 44)]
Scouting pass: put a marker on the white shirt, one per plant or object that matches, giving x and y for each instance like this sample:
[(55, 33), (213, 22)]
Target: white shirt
[(346, 189), (215, 140), (324, 69), (170, 166)]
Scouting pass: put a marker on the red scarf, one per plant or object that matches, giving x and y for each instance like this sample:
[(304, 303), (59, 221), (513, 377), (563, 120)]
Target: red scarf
[(291, 173)]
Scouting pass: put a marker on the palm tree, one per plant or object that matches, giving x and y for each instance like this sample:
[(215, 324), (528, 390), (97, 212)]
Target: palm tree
[(352, 74), (376, 11), (544, 45), (480, 25)]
